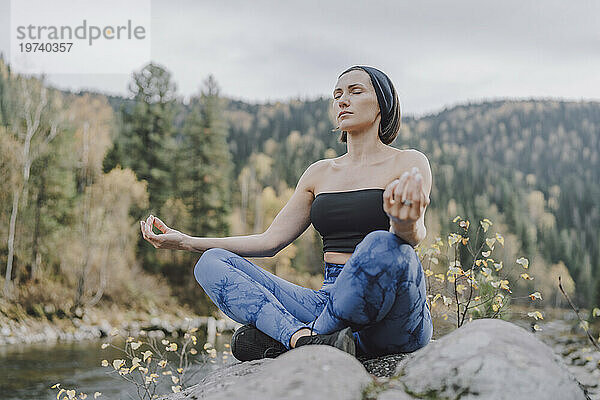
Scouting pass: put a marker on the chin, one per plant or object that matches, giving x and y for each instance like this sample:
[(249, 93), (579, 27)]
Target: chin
[(345, 126), (349, 127)]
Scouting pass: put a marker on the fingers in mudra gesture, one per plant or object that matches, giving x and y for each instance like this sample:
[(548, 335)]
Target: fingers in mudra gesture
[(404, 199), (169, 238)]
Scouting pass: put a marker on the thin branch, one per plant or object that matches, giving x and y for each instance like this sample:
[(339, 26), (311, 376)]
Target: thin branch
[(594, 342), (482, 302)]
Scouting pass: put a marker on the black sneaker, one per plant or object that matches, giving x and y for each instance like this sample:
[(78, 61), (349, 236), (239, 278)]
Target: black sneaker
[(342, 339), (248, 343)]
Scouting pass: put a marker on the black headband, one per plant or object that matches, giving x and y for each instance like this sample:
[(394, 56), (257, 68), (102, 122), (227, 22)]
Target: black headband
[(384, 90)]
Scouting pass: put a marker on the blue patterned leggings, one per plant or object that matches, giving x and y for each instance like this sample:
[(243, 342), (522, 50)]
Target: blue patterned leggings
[(379, 292)]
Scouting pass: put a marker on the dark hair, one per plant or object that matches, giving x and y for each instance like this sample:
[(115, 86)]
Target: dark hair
[(390, 115)]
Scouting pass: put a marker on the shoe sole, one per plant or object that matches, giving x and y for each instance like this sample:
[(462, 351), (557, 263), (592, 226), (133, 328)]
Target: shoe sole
[(249, 343), (345, 341)]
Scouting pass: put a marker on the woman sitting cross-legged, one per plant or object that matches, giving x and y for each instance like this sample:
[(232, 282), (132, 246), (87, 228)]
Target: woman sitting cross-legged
[(369, 206)]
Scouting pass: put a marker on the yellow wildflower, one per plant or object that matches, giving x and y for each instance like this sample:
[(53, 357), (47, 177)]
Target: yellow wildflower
[(118, 363), (136, 345), (535, 314), (146, 354), (535, 295), (500, 239), (453, 238)]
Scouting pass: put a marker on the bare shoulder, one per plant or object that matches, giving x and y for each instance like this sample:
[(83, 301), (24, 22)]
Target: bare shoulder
[(410, 158), (415, 155), (311, 175)]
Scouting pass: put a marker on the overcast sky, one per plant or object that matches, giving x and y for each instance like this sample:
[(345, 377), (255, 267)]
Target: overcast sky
[(437, 53)]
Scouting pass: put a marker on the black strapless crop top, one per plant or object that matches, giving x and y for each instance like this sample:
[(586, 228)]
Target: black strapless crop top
[(344, 218)]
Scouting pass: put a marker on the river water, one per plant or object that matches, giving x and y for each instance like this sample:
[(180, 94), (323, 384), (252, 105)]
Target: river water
[(28, 371)]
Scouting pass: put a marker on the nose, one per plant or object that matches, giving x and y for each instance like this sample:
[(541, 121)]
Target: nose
[(343, 97), (342, 102)]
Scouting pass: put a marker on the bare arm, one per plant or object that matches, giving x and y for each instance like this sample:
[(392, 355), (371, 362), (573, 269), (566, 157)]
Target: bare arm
[(245, 246), (412, 233), (169, 238), (415, 232), (291, 221)]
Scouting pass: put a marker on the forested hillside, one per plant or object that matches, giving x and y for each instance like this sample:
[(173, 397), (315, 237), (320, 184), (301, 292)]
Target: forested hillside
[(81, 169), (534, 163)]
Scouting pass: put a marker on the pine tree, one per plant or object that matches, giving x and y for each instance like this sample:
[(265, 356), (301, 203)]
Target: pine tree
[(206, 164), (145, 142)]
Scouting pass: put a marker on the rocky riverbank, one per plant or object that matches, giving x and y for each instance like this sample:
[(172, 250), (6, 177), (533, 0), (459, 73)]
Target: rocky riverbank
[(100, 323), (566, 339)]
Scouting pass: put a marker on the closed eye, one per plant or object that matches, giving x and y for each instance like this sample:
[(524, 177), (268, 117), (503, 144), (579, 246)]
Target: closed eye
[(353, 92)]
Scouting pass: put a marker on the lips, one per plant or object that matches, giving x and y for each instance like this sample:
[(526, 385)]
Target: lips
[(343, 113)]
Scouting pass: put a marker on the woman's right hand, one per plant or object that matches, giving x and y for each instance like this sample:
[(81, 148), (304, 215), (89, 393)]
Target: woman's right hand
[(169, 238)]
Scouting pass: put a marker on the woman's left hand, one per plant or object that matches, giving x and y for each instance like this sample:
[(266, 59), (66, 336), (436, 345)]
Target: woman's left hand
[(404, 199)]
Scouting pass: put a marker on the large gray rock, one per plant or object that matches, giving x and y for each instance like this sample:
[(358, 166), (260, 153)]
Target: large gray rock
[(486, 359), (316, 371)]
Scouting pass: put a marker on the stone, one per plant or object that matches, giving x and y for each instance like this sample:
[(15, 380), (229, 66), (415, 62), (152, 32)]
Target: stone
[(394, 394), (314, 371), (487, 359), (384, 366)]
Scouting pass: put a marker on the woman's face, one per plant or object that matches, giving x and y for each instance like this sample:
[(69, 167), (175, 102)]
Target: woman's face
[(354, 93)]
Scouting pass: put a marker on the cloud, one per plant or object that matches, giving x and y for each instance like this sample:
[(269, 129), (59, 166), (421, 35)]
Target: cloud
[(436, 52)]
